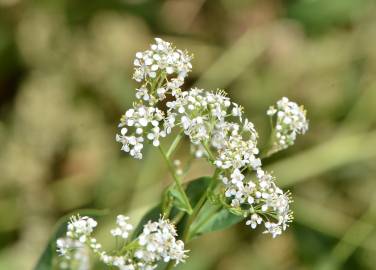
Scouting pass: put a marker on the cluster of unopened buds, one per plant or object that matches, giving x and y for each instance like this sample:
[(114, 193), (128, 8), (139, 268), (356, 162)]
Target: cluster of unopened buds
[(219, 132)]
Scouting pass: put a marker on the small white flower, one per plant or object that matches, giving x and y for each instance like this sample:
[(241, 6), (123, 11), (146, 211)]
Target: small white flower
[(254, 221), (273, 228), (123, 229), (237, 177)]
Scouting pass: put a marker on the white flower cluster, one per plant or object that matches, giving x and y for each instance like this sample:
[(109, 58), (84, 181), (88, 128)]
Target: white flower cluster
[(239, 146), (290, 120), (162, 64), (73, 251), (217, 130), (161, 70), (261, 198), (156, 243), (212, 119), (123, 227), (200, 113), (73, 247), (80, 228), (138, 124)]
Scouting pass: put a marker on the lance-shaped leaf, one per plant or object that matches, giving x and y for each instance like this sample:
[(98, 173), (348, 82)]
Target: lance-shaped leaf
[(213, 218)]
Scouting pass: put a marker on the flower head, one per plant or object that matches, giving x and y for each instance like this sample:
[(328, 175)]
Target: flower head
[(138, 124), (80, 228), (123, 227), (290, 120), (260, 198), (162, 64), (157, 242), (161, 57), (211, 118)]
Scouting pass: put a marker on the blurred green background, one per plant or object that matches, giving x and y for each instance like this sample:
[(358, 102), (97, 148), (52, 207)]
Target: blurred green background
[(65, 80)]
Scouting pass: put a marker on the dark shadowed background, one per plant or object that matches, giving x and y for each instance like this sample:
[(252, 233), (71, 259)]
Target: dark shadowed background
[(65, 80)]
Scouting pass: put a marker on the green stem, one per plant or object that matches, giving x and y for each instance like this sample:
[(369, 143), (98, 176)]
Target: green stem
[(160, 80), (199, 205), (268, 153), (177, 180), (210, 154), (174, 144), (166, 203), (170, 265), (269, 148), (178, 217), (131, 245)]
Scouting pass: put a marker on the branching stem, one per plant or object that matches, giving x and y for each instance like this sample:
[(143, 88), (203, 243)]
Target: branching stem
[(176, 179), (198, 206)]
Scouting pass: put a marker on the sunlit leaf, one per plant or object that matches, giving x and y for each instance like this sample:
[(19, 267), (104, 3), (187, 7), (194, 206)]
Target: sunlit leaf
[(213, 218), (179, 201)]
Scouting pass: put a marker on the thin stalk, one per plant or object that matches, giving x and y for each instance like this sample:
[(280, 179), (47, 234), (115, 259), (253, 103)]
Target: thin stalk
[(167, 207), (131, 245), (166, 204), (269, 148), (174, 144), (178, 217), (198, 206), (176, 179), (210, 154), (170, 265)]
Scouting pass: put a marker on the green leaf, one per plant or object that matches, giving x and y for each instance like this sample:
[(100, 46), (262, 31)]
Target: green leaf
[(194, 191), (196, 188), (179, 201), (213, 218), (45, 261)]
